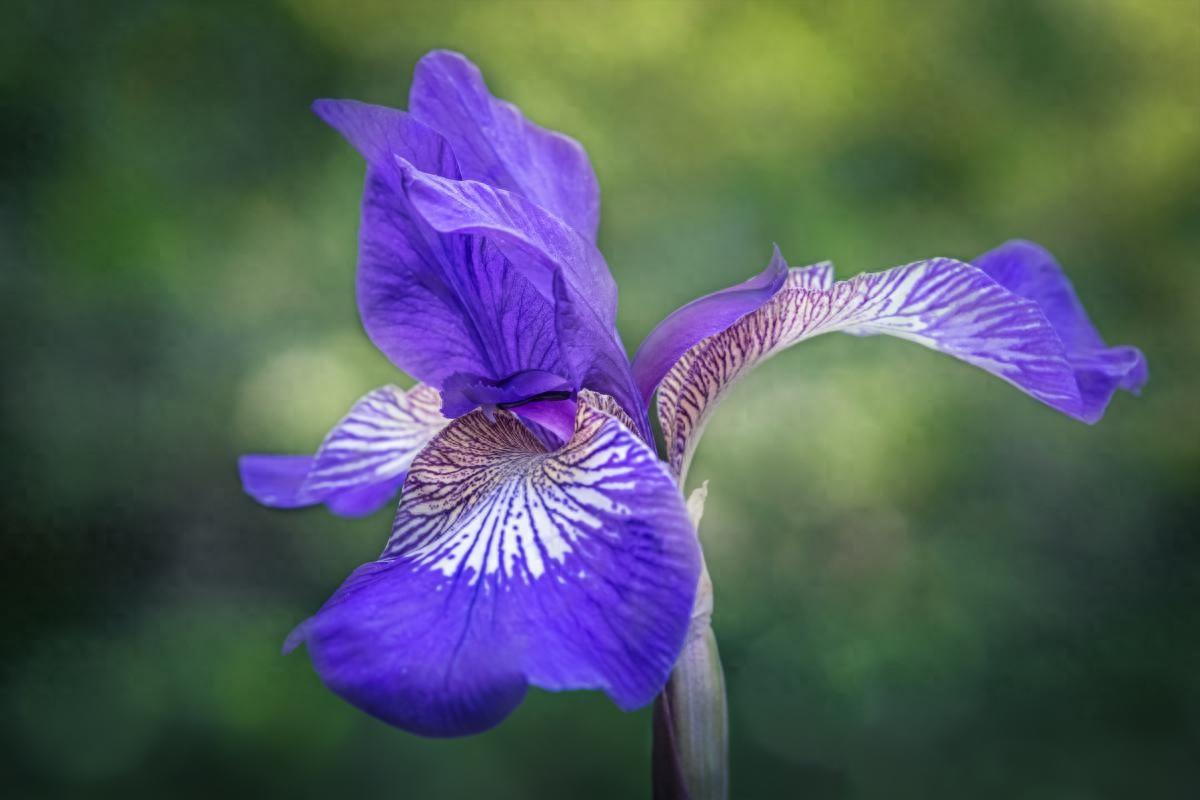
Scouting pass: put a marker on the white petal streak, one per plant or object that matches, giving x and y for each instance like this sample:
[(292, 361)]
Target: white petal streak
[(377, 439), (487, 500)]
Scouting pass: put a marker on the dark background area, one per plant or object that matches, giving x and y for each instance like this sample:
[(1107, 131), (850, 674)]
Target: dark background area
[(928, 585)]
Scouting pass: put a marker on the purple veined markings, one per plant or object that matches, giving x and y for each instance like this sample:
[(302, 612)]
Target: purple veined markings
[(946, 305), (511, 565), (539, 540)]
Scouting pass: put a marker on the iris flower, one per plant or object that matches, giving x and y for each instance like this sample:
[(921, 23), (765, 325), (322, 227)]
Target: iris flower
[(540, 540)]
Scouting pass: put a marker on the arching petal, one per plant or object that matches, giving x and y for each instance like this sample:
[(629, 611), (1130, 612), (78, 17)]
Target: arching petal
[(459, 251), (362, 461), (943, 304), (672, 386), (512, 566), (684, 327), (497, 145)]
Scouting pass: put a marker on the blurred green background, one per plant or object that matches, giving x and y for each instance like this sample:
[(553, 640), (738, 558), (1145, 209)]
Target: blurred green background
[(928, 585)]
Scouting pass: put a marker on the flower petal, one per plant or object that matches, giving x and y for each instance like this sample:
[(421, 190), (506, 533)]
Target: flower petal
[(276, 480), (380, 134), (684, 327), (435, 304), (1029, 270), (497, 145), (556, 257), (526, 233), (553, 420), (362, 461), (465, 286), (943, 304), (673, 384), (596, 354), (444, 304), (512, 566), (462, 394)]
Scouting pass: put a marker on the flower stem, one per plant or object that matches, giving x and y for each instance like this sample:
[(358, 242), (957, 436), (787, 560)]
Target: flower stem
[(691, 731), (691, 723)]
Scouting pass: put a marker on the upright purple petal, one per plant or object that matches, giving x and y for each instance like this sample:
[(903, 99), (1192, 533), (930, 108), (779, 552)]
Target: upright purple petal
[(943, 304), (471, 301), (497, 145), (440, 304), (525, 232), (403, 291), (513, 566), (596, 353), (362, 461), (699, 319), (556, 257), (380, 134)]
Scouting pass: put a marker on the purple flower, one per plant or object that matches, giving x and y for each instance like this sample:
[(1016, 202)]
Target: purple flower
[(539, 539)]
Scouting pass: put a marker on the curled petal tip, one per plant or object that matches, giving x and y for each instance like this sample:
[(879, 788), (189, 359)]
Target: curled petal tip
[(295, 638)]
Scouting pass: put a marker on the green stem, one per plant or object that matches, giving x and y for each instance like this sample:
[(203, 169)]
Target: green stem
[(691, 731), (691, 724)]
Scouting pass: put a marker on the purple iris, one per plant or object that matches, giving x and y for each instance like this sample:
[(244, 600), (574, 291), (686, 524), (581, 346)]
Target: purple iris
[(540, 540)]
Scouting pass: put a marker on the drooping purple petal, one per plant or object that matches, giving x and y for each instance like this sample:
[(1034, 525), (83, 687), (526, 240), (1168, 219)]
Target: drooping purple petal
[(497, 145), (1029, 270), (683, 328), (362, 461), (512, 566), (943, 304)]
